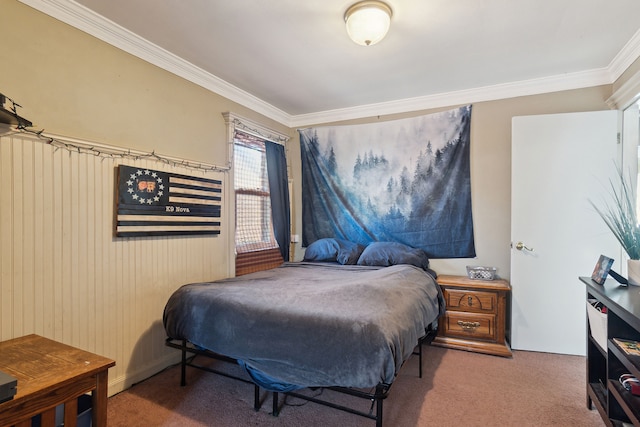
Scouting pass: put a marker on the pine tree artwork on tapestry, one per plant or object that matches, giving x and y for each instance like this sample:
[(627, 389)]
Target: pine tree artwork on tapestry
[(405, 180)]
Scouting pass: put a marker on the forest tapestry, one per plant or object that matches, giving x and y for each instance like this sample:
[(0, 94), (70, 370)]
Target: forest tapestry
[(406, 181)]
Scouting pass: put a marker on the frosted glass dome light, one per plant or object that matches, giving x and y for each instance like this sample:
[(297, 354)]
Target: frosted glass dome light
[(368, 21)]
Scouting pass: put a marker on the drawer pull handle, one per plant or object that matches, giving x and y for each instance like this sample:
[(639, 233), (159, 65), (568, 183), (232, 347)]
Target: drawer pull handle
[(468, 326), (470, 301)]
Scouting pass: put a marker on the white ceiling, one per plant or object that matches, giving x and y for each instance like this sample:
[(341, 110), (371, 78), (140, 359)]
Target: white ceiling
[(293, 61)]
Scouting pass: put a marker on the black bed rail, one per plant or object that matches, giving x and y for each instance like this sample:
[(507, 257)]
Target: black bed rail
[(430, 335), (377, 397), (185, 348)]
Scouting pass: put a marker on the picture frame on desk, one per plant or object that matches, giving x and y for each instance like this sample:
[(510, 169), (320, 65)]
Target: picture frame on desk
[(601, 270)]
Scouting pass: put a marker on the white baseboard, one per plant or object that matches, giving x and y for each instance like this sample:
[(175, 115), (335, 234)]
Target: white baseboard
[(123, 382)]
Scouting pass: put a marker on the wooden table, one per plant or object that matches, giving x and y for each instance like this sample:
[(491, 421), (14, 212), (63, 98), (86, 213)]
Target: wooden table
[(50, 374)]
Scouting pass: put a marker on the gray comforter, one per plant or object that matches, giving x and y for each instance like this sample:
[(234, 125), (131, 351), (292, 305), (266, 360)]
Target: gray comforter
[(311, 324)]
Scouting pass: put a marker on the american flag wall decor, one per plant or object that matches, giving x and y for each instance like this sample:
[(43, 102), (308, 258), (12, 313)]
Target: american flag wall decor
[(154, 203)]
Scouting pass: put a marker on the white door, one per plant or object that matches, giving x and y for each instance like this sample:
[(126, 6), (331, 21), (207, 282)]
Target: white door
[(559, 163)]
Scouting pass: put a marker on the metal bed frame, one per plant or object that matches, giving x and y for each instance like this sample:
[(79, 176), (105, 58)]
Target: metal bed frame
[(376, 397)]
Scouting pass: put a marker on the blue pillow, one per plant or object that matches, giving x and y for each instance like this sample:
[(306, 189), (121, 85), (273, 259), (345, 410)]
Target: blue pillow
[(323, 250), (348, 252), (384, 254)]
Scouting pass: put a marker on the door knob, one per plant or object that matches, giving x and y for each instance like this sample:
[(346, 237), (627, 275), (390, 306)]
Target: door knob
[(520, 246)]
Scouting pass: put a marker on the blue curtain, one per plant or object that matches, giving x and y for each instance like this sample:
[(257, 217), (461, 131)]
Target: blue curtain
[(279, 189)]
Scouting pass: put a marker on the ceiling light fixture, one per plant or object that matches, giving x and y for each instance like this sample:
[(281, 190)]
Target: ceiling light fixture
[(368, 21)]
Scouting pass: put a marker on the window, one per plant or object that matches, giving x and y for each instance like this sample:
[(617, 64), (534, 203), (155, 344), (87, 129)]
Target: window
[(256, 245)]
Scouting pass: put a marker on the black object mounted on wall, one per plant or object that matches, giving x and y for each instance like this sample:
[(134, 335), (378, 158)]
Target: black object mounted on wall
[(9, 114)]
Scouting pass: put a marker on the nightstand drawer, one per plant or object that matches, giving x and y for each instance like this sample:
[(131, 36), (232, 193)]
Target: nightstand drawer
[(470, 325), (477, 301)]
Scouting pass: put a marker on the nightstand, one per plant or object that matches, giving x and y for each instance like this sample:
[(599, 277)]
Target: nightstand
[(476, 315)]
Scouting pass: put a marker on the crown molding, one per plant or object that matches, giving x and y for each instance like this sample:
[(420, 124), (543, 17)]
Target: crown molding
[(629, 91), (487, 93), (88, 21), (626, 94), (78, 16), (627, 56)]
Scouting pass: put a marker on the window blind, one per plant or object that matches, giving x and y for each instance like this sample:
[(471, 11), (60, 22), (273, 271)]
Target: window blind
[(255, 240)]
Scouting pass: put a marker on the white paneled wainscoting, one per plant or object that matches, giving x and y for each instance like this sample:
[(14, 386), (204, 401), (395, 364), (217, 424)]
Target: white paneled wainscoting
[(63, 273)]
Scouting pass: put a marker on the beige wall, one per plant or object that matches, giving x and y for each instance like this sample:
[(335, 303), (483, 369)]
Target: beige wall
[(490, 169), (74, 85), (63, 274)]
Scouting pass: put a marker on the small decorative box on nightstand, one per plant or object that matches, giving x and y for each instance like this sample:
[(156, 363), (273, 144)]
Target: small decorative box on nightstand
[(476, 315)]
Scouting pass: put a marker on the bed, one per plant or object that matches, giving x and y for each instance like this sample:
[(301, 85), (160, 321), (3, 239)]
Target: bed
[(344, 322)]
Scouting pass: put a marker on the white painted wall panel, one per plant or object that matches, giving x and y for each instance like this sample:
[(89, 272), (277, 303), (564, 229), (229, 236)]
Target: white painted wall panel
[(64, 274)]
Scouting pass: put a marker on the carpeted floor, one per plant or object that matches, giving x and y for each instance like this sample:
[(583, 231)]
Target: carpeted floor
[(458, 389)]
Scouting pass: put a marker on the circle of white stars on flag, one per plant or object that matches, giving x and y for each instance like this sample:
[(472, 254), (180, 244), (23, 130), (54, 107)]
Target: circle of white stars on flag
[(145, 187)]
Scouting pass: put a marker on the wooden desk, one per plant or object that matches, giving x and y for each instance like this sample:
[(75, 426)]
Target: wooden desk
[(49, 374)]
